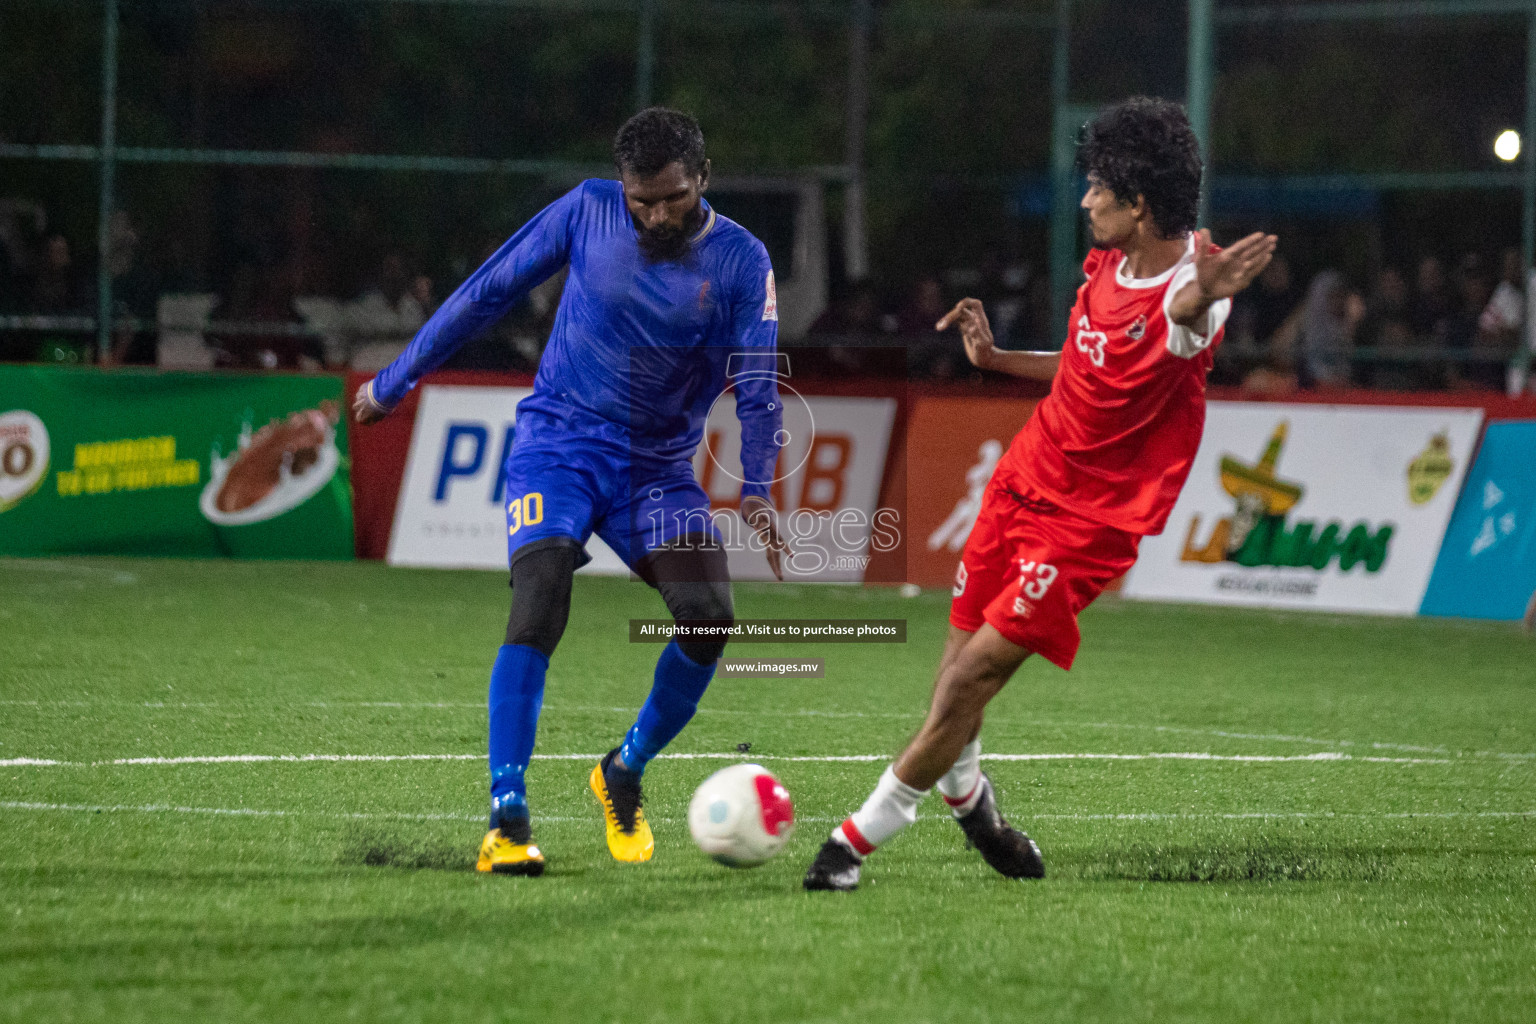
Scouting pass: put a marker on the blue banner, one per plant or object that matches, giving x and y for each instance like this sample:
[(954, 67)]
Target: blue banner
[(1487, 564)]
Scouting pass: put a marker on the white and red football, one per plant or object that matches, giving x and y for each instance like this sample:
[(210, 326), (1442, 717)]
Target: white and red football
[(741, 816)]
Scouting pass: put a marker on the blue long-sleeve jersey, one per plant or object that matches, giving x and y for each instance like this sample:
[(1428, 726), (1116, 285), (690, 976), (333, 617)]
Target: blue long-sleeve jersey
[(639, 350)]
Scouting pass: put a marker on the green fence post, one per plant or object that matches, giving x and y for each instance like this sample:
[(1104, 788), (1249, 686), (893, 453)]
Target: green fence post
[(108, 158), (1520, 366), (1198, 100), (1065, 123), (855, 196), (645, 56)]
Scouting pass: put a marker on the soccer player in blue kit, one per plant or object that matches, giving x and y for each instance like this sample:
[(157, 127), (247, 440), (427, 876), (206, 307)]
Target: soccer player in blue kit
[(665, 300)]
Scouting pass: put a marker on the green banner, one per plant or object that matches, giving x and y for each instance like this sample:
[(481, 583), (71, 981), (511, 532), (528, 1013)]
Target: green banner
[(146, 463)]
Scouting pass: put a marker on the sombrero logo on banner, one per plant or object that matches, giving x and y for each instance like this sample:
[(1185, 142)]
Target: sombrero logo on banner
[(23, 456)]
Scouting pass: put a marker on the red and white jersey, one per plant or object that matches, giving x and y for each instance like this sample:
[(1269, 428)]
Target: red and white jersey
[(1115, 438)]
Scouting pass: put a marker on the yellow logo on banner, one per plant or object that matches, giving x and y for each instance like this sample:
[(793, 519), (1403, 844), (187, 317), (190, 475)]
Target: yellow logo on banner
[(132, 464), (1432, 468), (1257, 533)]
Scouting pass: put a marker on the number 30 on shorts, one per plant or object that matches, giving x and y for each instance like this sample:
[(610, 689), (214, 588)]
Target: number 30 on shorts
[(1044, 575), (525, 511)]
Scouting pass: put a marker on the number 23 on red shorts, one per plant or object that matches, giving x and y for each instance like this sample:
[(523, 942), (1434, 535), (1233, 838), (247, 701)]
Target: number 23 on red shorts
[(1029, 566)]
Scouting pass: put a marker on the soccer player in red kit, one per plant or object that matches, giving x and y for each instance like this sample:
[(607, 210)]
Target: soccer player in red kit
[(1096, 467)]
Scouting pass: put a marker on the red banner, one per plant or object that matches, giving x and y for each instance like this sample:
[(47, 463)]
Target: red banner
[(953, 445)]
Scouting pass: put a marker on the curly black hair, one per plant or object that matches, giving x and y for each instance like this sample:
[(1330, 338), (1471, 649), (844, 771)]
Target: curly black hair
[(1145, 147), (656, 137)]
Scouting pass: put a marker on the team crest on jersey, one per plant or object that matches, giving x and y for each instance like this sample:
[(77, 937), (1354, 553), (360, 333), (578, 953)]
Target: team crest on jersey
[(771, 304), (1138, 328)]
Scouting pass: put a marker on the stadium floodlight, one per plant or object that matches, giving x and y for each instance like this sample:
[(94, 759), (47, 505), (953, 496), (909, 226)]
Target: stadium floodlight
[(1507, 146)]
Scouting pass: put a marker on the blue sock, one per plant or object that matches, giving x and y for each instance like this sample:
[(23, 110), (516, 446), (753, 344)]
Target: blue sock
[(516, 696), (680, 682)]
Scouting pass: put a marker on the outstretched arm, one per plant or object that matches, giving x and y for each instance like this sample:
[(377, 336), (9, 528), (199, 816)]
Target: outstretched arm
[(1219, 275), (528, 258), (976, 333), (755, 321)]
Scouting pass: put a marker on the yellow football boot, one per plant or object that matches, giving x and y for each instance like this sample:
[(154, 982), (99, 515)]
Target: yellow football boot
[(500, 855), (633, 844)]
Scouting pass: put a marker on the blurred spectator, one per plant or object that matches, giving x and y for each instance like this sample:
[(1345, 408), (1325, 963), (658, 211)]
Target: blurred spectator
[(1385, 328), (1264, 317), (1504, 315), (260, 297), (59, 289), (22, 226), (517, 340), (380, 322), (1462, 332), (1259, 311), (135, 294), (421, 294), (389, 307), (929, 354), (1329, 318), (856, 314), (1429, 309), (1008, 310)]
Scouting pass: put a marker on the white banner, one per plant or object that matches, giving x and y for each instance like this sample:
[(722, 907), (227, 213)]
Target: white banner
[(449, 513), (829, 469), (1337, 508)]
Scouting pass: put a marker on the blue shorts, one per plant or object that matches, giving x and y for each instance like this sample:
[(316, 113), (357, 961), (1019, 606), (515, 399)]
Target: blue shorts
[(581, 487)]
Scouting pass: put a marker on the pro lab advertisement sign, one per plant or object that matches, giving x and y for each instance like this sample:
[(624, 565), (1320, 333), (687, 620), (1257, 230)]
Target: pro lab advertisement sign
[(1487, 566), (450, 512), (1337, 508)]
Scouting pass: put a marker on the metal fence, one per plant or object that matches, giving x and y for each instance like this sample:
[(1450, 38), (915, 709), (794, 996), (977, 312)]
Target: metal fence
[(847, 30)]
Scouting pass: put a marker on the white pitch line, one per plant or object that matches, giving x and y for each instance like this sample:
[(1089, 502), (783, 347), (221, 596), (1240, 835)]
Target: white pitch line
[(1270, 737), (1247, 815), (1324, 756), (253, 812)]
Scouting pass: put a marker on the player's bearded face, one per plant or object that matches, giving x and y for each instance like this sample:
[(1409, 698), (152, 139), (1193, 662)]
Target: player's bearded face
[(666, 210), (668, 243)]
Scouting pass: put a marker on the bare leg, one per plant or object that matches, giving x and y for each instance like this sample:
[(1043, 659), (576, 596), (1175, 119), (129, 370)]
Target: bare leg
[(968, 680), (953, 644)]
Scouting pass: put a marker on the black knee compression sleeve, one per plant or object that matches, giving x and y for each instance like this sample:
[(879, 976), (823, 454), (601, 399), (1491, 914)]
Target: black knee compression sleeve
[(541, 596), (696, 586)]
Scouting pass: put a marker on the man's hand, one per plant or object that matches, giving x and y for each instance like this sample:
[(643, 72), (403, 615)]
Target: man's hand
[(365, 408), (974, 331), (984, 353), (1223, 274), (760, 516), (1219, 275)]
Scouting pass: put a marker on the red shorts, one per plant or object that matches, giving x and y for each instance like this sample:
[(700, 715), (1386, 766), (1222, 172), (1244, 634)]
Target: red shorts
[(1030, 566)]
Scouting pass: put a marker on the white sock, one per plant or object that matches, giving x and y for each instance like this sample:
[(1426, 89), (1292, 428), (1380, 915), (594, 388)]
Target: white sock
[(961, 785), (889, 809)]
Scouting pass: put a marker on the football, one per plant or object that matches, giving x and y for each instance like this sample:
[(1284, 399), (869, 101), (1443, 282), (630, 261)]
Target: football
[(741, 816)]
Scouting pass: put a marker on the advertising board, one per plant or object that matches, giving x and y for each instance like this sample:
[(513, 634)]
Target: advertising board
[(1338, 508), (953, 445), (95, 462), (1487, 565), (449, 510)]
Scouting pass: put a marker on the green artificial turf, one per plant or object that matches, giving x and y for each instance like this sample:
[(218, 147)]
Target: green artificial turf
[(1218, 890)]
